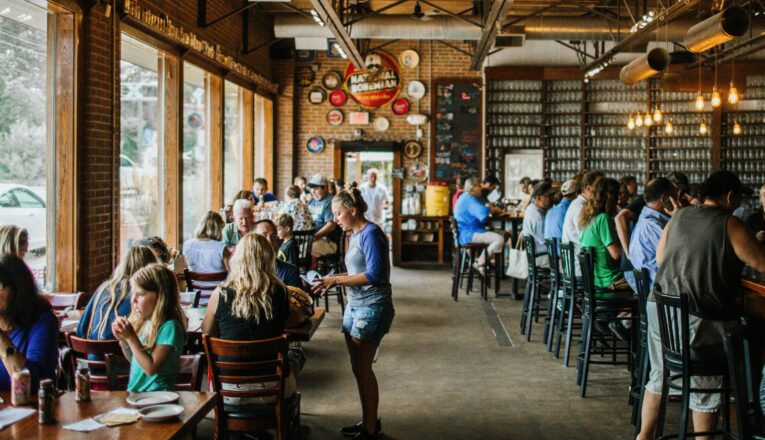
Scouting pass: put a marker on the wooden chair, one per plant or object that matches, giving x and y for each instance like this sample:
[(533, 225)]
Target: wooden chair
[(304, 242), (191, 372), (62, 301), (193, 280), (263, 364), (110, 372)]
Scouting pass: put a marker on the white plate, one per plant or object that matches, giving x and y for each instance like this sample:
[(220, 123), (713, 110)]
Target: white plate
[(381, 123), (415, 90), (409, 58), (161, 413), (141, 400)]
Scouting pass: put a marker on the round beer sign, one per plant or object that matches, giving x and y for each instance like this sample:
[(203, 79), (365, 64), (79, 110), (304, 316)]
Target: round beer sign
[(377, 84)]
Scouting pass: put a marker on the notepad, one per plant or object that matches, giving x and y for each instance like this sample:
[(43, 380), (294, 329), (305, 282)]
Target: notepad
[(9, 416)]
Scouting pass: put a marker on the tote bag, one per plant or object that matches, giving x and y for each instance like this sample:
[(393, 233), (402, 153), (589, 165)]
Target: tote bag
[(518, 264)]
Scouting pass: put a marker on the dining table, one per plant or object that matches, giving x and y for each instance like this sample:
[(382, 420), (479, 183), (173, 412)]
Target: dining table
[(67, 410), (511, 222)]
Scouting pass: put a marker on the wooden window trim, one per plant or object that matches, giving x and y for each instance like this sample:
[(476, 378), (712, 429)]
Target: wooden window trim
[(171, 90), (61, 176), (247, 116), (267, 126), (215, 134)]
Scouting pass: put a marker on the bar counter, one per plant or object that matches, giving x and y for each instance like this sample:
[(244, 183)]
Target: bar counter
[(753, 286)]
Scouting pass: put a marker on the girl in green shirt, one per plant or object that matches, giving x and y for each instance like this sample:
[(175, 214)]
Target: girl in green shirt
[(159, 320)]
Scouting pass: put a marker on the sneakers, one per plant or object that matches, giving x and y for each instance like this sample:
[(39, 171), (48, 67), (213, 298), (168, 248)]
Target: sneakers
[(357, 430), (480, 268)]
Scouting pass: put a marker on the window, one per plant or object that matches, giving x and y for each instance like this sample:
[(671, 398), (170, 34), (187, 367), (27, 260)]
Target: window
[(141, 143), (26, 125), (196, 151), (232, 142)]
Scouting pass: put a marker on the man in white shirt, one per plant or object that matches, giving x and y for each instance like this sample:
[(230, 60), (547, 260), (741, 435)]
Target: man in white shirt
[(571, 221), (534, 220), (376, 196)]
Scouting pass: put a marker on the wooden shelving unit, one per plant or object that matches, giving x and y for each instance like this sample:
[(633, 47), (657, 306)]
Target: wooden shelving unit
[(428, 242)]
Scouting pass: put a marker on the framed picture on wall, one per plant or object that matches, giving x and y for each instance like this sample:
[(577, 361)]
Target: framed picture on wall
[(520, 164)]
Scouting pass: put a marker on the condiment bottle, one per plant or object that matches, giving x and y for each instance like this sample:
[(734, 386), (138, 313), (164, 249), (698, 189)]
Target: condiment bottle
[(21, 387), (46, 396), (82, 385)]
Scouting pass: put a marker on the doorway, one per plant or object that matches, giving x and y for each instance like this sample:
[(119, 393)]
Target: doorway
[(356, 164)]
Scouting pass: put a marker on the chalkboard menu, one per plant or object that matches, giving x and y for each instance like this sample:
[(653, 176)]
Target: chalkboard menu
[(456, 130)]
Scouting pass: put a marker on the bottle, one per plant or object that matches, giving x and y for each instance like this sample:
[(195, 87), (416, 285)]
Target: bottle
[(82, 385), (45, 398), (21, 387)]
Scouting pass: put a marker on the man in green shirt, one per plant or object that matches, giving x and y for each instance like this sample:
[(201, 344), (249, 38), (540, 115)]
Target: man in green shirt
[(244, 219)]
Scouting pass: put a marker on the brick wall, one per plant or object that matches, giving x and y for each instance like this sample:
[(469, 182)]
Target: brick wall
[(227, 33), (98, 142), (283, 131), (436, 61)]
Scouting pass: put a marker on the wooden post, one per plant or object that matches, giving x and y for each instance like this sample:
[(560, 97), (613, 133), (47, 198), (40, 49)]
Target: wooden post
[(247, 116), (171, 84), (214, 92)]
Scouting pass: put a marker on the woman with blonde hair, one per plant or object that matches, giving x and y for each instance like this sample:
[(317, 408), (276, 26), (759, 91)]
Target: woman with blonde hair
[(154, 335), (206, 252), (252, 304), (14, 241), (369, 314), (112, 298)]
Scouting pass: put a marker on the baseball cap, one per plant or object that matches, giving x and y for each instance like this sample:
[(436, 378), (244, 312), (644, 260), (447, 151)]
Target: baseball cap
[(317, 180), (569, 187), (721, 182)]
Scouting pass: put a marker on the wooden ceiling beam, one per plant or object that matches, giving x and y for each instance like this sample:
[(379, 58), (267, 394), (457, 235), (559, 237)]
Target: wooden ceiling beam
[(335, 25), (492, 25)]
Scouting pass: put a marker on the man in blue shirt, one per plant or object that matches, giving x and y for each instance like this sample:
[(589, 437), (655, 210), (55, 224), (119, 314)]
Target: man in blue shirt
[(653, 218), (260, 192), (325, 231), (556, 215), (471, 216)]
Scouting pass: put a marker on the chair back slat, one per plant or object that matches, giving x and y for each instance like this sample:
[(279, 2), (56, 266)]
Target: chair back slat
[(643, 284), (586, 262), (114, 365), (190, 375), (554, 258), (258, 360), (529, 246), (61, 301), (304, 242), (673, 329), (455, 231)]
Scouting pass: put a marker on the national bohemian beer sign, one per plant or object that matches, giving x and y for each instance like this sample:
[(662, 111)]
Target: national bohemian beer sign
[(378, 84)]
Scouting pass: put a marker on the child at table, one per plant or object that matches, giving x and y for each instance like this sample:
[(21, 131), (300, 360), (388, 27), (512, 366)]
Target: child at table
[(153, 337), (288, 251)]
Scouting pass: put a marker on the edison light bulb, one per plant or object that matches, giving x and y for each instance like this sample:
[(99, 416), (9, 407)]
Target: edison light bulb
[(703, 127), (647, 121), (715, 101), (732, 94), (736, 128), (699, 102), (631, 122), (639, 120), (657, 116), (668, 128)]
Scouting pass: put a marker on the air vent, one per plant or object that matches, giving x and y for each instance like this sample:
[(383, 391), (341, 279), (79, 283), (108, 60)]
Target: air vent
[(509, 40)]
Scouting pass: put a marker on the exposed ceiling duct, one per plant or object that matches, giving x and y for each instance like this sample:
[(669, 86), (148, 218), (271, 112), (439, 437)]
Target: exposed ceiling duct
[(443, 27), (645, 66), (720, 28)]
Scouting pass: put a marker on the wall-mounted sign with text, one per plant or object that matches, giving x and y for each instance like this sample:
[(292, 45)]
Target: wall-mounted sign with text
[(377, 84)]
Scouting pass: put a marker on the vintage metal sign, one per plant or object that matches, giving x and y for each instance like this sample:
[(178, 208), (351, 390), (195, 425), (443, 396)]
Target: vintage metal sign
[(377, 84)]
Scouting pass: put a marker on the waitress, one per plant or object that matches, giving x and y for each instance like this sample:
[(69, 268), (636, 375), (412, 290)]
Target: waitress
[(369, 313)]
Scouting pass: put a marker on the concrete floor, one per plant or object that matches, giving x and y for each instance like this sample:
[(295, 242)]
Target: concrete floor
[(443, 375)]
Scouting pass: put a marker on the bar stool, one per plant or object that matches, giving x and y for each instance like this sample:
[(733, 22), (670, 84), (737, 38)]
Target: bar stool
[(674, 328), (643, 367), (744, 374), (600, 306), (334, 262), (538, 277), (572, 301), (462, 264), (552, 307)]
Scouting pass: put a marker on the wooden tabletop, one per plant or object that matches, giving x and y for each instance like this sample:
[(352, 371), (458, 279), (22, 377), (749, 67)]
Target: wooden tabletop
[(302, 333), (196, 405)]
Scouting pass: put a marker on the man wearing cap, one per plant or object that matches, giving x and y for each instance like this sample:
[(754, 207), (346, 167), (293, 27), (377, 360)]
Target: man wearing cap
[(326, 233), (534, 219), (701, 253), (555, 216)]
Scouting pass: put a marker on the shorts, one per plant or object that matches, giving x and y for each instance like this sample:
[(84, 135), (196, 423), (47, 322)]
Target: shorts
[(705, 337), (368, 323)]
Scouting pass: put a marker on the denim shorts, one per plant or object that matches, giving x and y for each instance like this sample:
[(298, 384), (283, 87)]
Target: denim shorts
[(368, 323)]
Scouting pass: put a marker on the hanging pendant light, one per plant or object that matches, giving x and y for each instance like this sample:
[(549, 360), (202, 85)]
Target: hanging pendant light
[(638, 120), (703, 128), (657, 115), (737, 128), (631, 122), (715, 100), (647, 121), (668, 128), (732, 93), (699, 102)]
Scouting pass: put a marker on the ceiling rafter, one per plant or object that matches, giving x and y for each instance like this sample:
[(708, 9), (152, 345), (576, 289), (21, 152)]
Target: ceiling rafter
[(202, 13), (342, 37), (490, 28)]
